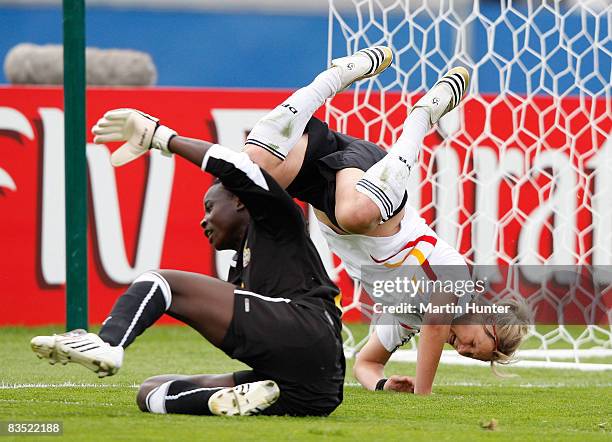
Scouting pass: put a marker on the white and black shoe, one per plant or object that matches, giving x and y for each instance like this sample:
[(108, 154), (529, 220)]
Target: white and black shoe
[(446, 94), (244, 399), (81, 347), (363, 64)]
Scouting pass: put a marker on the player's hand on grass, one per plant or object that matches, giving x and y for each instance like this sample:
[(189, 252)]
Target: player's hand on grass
[(401, 384), (140, 132)]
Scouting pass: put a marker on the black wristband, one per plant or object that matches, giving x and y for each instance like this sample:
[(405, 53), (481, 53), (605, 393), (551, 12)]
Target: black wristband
[(380, 385)]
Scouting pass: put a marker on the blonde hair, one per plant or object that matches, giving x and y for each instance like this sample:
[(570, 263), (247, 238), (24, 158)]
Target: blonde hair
[(511, 328)]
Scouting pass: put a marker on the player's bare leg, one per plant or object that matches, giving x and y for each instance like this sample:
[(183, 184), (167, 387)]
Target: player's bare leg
[(277, 143), (204, 303), (284, 172), (386, 181), (277, 135), (357, 213)]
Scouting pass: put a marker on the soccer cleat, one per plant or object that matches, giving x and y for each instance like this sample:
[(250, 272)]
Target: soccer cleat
[(244, 399), (81, 347), (363, 64), (446, 94), (44, 347)]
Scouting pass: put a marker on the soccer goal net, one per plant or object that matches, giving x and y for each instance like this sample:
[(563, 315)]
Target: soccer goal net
[(519, 177)]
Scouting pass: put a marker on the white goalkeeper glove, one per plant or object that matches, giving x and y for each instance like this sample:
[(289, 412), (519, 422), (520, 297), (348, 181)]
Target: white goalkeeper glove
[(140, 132)]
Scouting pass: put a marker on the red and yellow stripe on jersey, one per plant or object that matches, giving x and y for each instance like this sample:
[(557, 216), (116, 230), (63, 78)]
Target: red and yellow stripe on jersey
[(414, 252)]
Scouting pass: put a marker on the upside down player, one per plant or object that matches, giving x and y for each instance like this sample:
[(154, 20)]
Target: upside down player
[(359, 195), (277, 315)]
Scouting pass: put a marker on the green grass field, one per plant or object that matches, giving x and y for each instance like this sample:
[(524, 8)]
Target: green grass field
[(537, 405)]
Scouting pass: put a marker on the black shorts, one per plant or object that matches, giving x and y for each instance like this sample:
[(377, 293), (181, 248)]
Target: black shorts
[(327, 152), (297, 344)]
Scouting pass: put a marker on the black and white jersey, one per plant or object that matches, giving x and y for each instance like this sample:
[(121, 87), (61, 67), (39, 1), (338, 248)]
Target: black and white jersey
[(277, 257)]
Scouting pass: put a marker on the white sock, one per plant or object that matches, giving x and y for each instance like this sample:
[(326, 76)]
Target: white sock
[(324, 86), (408, 145), (385, 184), (279, 131)]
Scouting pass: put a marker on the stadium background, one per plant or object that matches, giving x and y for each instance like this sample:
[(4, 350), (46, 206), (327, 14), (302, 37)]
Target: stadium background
[(270, 50), (234, 43), (202, 45)]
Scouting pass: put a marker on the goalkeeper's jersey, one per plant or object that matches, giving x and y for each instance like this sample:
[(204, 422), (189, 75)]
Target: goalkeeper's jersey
[(277, 257)]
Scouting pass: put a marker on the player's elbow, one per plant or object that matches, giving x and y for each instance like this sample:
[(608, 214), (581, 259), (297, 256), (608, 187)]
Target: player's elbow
[(363, 367), (357, 366)]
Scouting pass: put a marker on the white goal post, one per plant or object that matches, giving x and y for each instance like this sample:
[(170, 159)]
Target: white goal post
[(521, 173)]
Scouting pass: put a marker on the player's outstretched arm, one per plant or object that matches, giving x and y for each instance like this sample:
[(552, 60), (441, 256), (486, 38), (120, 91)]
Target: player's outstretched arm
[(431, 342), (432, 337), (264, 199), (369, 369), (370, 362)]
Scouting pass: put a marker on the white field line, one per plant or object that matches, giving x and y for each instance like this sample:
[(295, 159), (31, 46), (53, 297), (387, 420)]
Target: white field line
[(4, 386), (12, 386), (81, 404), (527, 385), (450, 357)]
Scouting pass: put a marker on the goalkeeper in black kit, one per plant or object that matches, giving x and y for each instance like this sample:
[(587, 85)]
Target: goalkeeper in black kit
[(276, 314)]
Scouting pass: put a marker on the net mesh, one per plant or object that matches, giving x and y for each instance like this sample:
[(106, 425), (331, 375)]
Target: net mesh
[(521, 172)]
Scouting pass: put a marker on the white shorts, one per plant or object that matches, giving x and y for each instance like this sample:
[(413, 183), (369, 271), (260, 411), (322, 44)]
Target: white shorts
[(392, 333)]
